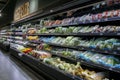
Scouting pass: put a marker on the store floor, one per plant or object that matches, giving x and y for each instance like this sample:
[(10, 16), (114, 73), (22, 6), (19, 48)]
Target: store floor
[(12, 70)]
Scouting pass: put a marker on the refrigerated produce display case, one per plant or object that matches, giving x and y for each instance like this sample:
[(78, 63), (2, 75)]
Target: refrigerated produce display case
[(80, 42)]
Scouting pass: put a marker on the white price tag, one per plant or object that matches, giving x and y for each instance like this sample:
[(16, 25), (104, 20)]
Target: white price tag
[(20, 54)]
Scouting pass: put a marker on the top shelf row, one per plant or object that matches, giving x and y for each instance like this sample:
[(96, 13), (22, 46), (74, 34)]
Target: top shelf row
[(107, 16), (82, 22)]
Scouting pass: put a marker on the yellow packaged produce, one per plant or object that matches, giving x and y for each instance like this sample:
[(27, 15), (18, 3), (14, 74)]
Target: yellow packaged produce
[(32, 37)]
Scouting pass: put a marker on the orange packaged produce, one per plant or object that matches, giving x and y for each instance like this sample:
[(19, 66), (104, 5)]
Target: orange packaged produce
[(26, 50)]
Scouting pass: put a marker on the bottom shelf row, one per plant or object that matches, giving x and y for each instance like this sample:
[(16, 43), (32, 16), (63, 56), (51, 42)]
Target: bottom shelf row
[(72, 70)]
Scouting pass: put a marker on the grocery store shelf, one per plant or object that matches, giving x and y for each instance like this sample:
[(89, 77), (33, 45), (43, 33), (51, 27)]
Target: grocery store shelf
[(115, 52), (59, 75), (99, 66), (57, 45), (88, 63), (101, 20), (78, 34), (71, 77), (50, 69), (109, 52), (86, 22)]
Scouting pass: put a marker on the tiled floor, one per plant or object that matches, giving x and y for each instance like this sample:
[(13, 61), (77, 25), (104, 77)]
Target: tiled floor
[(10, 71)]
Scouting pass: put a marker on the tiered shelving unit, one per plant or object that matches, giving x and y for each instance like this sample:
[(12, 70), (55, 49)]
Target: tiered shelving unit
[(55, 73)]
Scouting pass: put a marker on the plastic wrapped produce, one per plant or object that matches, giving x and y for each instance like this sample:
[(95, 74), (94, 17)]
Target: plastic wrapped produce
[(109, 61), (76, 29), (56, 40), (95, 58), (116, 13), (74, 42), (75, 70), (86, 55), (68, 39), (70, 29), (58, 30), (76, 20)]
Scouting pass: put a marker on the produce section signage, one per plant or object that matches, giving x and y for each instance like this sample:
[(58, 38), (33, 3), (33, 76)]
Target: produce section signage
[(22, 11)]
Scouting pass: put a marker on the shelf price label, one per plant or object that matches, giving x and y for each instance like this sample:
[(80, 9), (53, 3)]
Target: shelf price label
[(20, 54)]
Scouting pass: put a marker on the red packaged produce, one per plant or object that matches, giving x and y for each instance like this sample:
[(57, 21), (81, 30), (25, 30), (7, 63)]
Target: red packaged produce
[(51, 23), (116, 13), (104, 14), (99, 16), (57, 22)]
